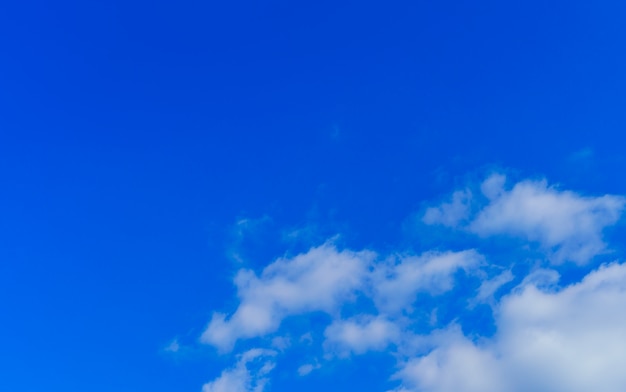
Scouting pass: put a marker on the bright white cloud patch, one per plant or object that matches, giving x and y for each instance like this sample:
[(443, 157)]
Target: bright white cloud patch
[(567, 226), (572, 340), (322, 279), (563, 222), (455, 364)]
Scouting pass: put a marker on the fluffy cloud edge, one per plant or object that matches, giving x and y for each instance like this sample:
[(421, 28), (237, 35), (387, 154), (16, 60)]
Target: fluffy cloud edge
[(570, 339)]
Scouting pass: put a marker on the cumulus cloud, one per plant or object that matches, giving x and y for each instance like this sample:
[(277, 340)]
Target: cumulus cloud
[(248, 375), (571, 340), (568, 340), (323, 279), (361, 334), (456, 364), (397, 282), (566, 224)]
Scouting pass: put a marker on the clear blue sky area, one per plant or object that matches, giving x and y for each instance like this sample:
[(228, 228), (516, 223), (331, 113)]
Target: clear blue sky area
[(150, 150)]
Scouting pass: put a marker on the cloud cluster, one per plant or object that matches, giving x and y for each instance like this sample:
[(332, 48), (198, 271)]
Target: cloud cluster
[(569, 340), (323, 279), (548, 336), (565, 224)]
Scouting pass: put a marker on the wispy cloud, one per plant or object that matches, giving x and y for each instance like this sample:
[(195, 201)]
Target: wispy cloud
[(173, 347), (450, 213), (248, 375), (308, 368), (396, 283)]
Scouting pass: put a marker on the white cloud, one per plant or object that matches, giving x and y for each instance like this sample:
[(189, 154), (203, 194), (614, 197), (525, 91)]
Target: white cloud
[(456, 364), (451, 213), (542, 278), (248, 375), (493, 186), (547, 338), (308, 368), (323, 279), (489, 287), (566, 224), (572, 340), (361, 334), (397, 284)]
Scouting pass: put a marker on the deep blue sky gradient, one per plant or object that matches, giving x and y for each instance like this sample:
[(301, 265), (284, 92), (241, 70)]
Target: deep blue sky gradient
[(134, 135)]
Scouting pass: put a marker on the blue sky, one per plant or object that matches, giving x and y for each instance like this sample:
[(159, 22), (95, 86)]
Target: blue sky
[(408, 196)]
